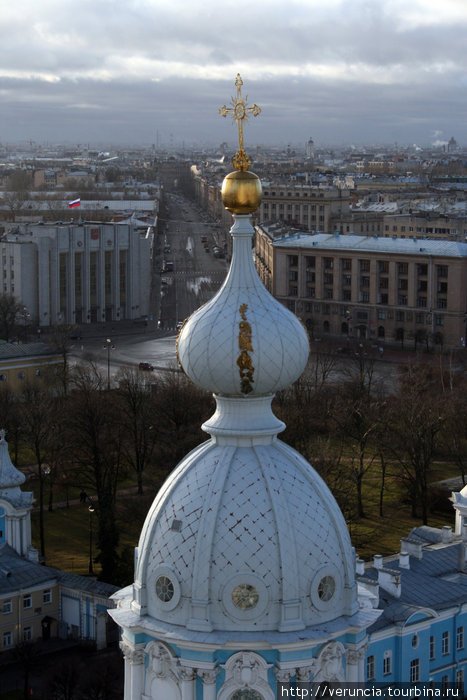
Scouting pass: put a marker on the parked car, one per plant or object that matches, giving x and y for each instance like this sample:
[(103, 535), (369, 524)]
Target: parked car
[(145, 367)]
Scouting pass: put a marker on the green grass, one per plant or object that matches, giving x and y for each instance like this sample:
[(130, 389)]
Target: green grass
[(67, 529)]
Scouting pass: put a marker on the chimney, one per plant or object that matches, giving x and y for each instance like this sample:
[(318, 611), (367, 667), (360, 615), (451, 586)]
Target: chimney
[(378, 561), (359, 567), (390, 581), (413, 547), (446, 534), (404, 560)]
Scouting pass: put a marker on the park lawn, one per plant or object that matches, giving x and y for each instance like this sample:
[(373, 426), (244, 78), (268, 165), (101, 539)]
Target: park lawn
[(67, 532), (67, 529)]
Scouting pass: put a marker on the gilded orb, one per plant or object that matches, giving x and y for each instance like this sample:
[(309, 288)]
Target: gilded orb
[(241, 192)]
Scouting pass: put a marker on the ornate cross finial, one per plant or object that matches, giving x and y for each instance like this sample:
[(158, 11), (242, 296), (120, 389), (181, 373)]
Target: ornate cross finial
[(240, 111)]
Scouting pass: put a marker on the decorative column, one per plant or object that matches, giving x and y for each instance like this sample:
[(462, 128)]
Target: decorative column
[(283, 675), (188, 682), (354, 657), (209, 683), (303, 673), (134, 671)]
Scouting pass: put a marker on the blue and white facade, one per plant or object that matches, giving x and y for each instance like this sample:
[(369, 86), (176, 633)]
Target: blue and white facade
[(421, 634)]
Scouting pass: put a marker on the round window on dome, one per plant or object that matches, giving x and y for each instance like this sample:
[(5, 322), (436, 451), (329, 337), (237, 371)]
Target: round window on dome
[(164, 589), (326, 588), (245, 596)]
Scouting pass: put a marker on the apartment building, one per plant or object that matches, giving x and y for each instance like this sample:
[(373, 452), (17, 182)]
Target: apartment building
[(311, 208), (77, 273), (382, 289)]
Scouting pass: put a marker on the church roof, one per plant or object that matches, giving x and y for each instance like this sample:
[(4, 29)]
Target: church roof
[(434, 581), (18, 573)]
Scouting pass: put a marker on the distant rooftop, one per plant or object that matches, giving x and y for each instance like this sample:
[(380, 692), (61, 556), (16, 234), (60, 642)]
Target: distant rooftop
[(371, 244)]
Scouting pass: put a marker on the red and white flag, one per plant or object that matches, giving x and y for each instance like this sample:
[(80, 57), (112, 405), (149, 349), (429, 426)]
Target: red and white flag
[(74, 203)]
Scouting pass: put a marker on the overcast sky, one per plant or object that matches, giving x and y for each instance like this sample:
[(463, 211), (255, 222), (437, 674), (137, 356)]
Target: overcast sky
[(141, 71)]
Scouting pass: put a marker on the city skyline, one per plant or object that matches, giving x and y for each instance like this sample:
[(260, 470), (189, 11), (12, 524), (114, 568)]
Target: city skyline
[(142, 72)]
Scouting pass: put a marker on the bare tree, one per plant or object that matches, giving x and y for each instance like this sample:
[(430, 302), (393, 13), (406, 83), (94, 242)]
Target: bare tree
[(140, 432), (94, 433), (417, 417), (36, 412), (10, 312)]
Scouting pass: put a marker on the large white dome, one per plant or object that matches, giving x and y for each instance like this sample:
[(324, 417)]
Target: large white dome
[(245, 535)]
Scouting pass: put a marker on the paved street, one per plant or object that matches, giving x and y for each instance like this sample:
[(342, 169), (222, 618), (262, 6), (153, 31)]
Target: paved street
[(175, 294)]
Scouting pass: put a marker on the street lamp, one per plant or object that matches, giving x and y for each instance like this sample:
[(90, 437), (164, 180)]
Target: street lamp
[(108, 346), (91, 511)]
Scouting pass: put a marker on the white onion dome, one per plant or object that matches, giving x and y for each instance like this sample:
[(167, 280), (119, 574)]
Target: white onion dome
[(244, 536), (243, 341)]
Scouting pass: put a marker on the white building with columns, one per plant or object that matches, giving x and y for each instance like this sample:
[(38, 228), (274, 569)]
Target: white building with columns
[(244, 571), (79, 273)]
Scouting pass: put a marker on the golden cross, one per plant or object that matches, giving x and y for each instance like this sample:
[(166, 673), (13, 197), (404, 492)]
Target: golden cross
[(240, 111)]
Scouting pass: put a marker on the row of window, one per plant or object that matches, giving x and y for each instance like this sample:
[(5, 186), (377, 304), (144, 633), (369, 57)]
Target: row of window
[(7, 605), (21, 375), (364, 265), (8, 637), (415, 663), (293, 194)]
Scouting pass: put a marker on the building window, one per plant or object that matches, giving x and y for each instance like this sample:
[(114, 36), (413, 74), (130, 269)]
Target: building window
[(292, 260), (402, 300), (399, 315), (383, 266), (47, 596), (309, 261), (444, 684), (293, 291), (432, 648), (460, 638), (442, 270), (387, 662), (370, 668), (364, 266), (403, 284), (364, 281), (27, 601), (7, 608), (460, 681), (402, 268), (415, 641), (381, 315), (421, 302), (439, 320), (293, 275), (27, 634), (346, 264), (415, 671), (422, 269), (445, 643), (7, 640)]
